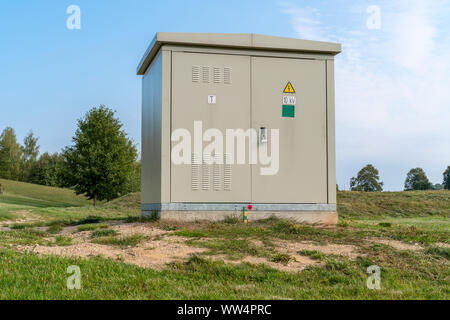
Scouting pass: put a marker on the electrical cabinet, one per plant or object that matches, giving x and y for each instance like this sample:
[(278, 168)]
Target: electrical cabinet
[(233, 120)]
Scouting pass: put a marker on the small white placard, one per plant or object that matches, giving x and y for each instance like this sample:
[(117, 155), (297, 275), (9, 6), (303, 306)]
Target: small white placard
[(289, 100), (212, 99)]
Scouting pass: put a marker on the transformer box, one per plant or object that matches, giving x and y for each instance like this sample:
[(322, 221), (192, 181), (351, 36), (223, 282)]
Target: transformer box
[(237, 120)]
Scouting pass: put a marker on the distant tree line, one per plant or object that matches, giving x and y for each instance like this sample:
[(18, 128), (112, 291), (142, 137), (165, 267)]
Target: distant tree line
[(23, 163), (101, 164), (368, 180)]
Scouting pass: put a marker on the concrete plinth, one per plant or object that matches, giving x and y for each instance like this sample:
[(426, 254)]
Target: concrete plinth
[(300, 213)]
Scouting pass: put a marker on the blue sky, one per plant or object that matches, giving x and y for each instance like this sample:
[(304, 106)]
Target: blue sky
[(392, 79)]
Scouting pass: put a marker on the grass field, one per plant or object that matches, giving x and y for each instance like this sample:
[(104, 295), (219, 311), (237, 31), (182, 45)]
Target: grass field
[(44, 230), (23, 200)]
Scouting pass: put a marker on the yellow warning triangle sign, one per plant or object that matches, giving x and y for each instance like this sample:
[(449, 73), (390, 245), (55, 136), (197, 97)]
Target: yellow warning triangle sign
[(289, 88)]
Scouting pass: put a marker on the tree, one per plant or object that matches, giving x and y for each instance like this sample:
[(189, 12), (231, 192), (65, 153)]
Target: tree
[(5, 161), (438, 186), (30, 152), (101, 161), (134, 181), (10, 155), (46, 170), (367, 180), (446, 182), (417, 180)]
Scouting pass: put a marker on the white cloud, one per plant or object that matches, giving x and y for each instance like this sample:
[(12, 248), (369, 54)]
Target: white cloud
[(305, 21), (392, 96)]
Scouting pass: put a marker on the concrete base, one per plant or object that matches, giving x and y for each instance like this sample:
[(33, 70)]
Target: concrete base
[(308, 217)]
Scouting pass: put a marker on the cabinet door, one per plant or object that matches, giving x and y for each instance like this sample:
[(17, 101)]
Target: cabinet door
[(213, 89), (290, 95)]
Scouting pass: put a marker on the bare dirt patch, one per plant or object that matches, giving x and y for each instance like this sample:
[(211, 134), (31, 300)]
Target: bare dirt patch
[(398, 245), (292, 248), (154, 253), (298, 262), (7, 224), (161, 248)]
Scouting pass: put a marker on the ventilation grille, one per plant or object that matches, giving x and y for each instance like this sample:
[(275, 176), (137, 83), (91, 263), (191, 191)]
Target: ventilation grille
[(205, 74), (195, 74), (219, 74), (217, 174), (195, 172), (206, 172), (227, 75), (227, 172), (204, 169)]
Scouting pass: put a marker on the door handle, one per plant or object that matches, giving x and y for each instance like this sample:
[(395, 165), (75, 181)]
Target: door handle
[(263, 135)]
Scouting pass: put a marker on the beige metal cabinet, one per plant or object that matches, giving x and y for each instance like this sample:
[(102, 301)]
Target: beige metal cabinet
[(198, 82), (195, 77), (302, 176)]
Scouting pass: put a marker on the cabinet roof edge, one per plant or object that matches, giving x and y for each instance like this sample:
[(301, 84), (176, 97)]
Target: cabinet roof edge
[(237, 41)]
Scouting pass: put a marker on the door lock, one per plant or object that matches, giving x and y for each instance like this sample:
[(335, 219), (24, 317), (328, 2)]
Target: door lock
[(263, 135)]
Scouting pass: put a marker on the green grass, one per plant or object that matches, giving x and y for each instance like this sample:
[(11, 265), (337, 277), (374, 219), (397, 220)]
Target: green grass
[(281, 258), (91, 227), (21, 226), (90, 220), (27, 276), (23, 200), (26, 202), (75, 214), (21, 237), (442, 252), (313, 254), (63, 241), (394, 204), (54, 228), (286, 230), (427, 223), (416, 217), (104, 233), (39, 196)]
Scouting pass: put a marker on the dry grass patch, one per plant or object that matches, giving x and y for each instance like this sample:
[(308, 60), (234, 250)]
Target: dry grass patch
[(442, 245), (283, 255), (153, 251), (398, 245)]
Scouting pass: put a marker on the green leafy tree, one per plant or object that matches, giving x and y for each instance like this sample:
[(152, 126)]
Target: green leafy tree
[(417, 180), (5, 161), (134, 181), (102, 159), (446, 183), (367, 180), (46, 170), (30, 153), (10, 155)]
